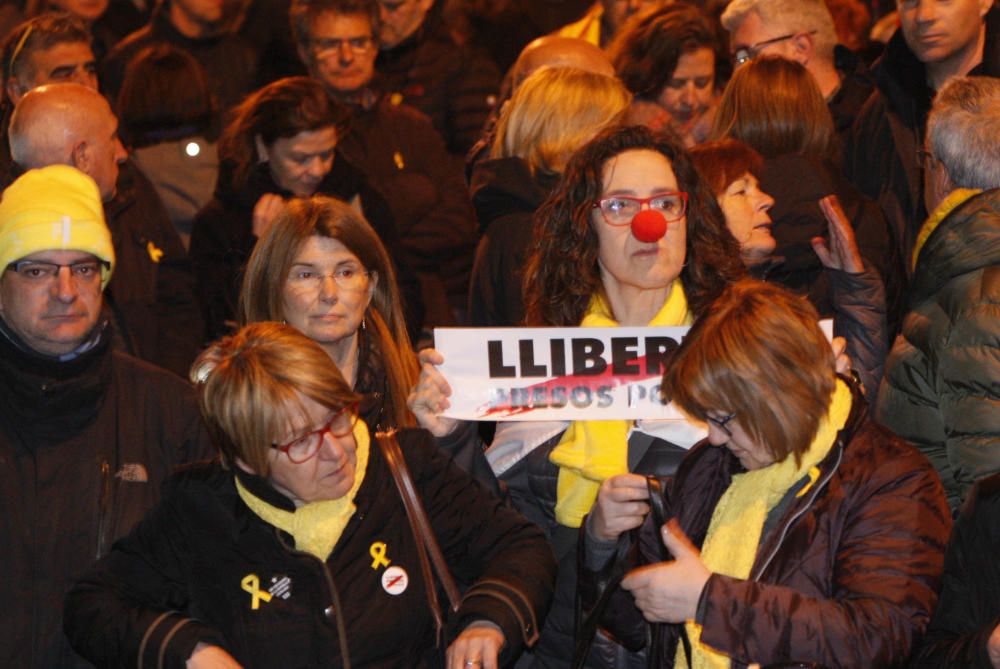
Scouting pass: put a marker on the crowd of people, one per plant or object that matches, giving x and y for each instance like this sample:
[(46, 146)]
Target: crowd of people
[(230, 228)]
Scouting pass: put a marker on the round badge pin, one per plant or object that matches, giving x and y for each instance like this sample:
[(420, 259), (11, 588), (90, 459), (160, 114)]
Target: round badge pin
[(395, 580)]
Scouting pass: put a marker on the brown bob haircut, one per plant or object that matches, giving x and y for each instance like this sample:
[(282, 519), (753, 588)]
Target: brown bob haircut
[(562, 272), (760, 353), (250, 384), (280, 110), (165, 89), (646, 51), (262, 296), (774, 105), (723, 161)]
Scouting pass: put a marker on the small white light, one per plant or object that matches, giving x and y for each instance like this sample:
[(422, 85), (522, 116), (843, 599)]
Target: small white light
[(192, 149)]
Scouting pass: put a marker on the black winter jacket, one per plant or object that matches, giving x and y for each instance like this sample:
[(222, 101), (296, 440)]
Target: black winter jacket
[(505, 195), (969, 608), (85, 446), (185, 567), (222, 239), (846, 574)]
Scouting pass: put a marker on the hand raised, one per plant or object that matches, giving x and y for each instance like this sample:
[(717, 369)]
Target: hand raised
[(430, 396)]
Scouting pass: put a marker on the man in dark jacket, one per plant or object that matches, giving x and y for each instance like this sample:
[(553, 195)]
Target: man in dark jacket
[(942, 378), (87, 434), (420, 63), (203, 30), (152, 305), (397, 149), (949, 40)]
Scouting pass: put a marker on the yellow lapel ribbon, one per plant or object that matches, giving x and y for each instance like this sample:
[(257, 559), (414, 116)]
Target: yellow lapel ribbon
[(316, 526), (593, 450), (251, 584), (734, 532)]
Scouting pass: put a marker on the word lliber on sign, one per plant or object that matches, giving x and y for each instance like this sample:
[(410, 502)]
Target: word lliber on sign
[(584, 356)]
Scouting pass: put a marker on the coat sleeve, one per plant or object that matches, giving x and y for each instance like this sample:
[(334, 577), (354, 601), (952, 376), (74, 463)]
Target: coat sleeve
[(968, 610), (886, 569), (859, 303), (505, 559), (127, 610)]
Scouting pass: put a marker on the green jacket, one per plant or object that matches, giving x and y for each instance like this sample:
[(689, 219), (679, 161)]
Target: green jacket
[(941, 389)]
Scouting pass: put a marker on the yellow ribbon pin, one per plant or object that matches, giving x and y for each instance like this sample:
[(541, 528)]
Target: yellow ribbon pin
[(251, 584), (154, 253), (377, 551)]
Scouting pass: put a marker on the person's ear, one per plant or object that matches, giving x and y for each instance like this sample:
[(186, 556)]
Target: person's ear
[(372, 284), (262, 154), (80, 156), (803, 46), (16, 90)]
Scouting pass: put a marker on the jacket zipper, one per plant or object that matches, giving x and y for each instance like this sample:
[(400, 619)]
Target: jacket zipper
[(104, 510)]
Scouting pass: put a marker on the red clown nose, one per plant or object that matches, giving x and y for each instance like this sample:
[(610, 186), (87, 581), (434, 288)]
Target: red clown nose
[(649, 226)]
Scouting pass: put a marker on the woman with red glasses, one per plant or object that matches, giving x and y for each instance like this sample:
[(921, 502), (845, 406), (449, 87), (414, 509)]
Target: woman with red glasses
[(631, 236), (297, 551)]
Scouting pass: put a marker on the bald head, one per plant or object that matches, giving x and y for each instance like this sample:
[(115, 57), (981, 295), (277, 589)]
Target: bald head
[(557, 51), (68, 124)]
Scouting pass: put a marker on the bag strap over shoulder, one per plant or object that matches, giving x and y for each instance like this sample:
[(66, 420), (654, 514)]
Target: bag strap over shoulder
[(422, 531)]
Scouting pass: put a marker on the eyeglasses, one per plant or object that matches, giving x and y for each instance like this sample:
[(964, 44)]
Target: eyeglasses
[(927, 159), (746, 54), (326, 48), (36, 271), (346, 278), (303, 448), (621, 209), (722, 423)]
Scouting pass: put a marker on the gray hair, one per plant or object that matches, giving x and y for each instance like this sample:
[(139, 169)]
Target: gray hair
[(792, 15), (963, 131)]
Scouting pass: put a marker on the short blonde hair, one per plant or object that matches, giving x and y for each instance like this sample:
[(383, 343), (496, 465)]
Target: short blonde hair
[(555, 111), (249, 382), (758, 352)]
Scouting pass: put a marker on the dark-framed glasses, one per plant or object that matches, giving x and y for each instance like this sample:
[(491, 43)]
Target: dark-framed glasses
[(37, 271), (304, 447), (621, 209), (330, 47), (745, 54), (722, 423)]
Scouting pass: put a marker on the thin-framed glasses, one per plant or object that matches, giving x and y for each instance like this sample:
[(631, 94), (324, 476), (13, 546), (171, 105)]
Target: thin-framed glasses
[(746, 54), (722, 423), (621, 209), (347, 277), (303, 448), (325, 48), (37, 271)]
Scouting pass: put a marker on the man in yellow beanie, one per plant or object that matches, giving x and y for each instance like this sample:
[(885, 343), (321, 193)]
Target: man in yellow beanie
[(87, 433)]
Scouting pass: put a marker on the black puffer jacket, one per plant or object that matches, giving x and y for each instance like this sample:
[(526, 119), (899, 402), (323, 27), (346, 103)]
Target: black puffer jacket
[(84, 447), (942, 379), (969, 609), (846, 574), (222, 239), (189, 559)]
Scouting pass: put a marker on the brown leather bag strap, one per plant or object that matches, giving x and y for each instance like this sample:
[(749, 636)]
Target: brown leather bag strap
[(421, 527)]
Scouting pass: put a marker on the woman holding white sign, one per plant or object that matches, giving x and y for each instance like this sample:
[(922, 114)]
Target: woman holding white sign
[(631, 236)]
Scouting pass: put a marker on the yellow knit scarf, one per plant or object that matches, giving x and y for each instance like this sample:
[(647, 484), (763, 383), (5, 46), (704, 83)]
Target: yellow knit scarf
[(317, 526), (593, 450), (947, 205), (734, 532)]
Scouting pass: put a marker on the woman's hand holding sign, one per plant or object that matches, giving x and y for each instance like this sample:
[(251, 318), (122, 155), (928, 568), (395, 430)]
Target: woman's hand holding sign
[(430, 397)]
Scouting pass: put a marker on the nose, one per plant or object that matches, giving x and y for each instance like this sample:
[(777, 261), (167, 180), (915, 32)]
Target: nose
[(327, 288), (84, 77), (64, 288), (121, 155), (926, 11), (332, 449), (716, 435), (765, 203), (318, 167), (688, 94), (345, 53)]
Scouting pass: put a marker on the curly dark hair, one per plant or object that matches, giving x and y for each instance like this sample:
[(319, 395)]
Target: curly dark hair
[(562, 272)]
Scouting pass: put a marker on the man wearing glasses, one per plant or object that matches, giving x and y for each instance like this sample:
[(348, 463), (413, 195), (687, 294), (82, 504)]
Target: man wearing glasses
[(87, 434), (803, 31), (396, 147)]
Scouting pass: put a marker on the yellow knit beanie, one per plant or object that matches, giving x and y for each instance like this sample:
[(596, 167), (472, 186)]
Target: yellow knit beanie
[(54, 208)]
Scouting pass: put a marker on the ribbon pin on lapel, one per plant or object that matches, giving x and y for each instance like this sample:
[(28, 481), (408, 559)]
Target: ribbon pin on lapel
[(251, 584)]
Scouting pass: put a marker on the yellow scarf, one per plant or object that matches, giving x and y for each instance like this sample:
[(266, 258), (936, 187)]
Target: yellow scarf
[(947, 205), (738, 520), (316, 526), (593, 450)]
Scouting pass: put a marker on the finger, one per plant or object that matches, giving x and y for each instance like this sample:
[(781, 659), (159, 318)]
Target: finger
[(839, 345), (823, 251), (430, 356), (639, 577), (677, 541)]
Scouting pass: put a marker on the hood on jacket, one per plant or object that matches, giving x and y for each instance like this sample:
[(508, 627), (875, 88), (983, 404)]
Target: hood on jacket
[(504, 186)]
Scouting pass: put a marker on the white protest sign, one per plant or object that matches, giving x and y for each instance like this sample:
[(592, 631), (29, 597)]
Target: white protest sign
[(534, 374), (556, 373)]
